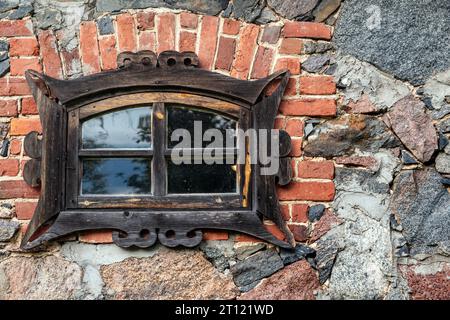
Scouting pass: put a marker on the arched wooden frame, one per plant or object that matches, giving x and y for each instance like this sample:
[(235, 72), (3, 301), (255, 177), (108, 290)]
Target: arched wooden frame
[(145, 78)]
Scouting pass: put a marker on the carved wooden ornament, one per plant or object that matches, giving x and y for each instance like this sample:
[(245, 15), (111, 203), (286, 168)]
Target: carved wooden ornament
[(174, 220)]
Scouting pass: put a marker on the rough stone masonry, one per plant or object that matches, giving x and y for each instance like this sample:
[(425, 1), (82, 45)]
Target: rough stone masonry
[(368, 107)]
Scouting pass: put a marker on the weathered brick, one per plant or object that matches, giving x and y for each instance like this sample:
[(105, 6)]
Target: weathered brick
[(299, 232), (317, 85), (291, 88), (273, 229), (9, 167), (14, 87), (280, 123), (316, 169), (308, 107), (25, 210), (188, 20), (271, 34), (296, 150), (49, 52), (231, 26), (147, 40), (108, 52), (187, 41), (16, 28), (225, 53), (313, 30), (90, 55), (17, 189), (262, 63), (20, 65), (145, 20), (23, 47), (28, 106), (15, 147), (291, 46), (244, 52), (126, 33), (100, 236), (284, 209), (215, 235), (294, 127), (166, 32), (22, 126), (8, 108), (208, 41), (300, 213), (292, 64), (307, 190)]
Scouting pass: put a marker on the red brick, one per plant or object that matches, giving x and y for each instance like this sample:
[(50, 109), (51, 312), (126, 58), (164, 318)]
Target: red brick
[(188, 20), (300, 213), (90, 56), (49, 52), (280, 123), (23, 47), (284, 208), (294, 127), (9, 167), (292, 64), (126, 33), (20, 65), (22, 126), (25, 210), (244, 52), (296, 148), (208, 42), (307, 190), (108, 52), (299, 232), (215, 235), (316, 169), (311, 30), (271, 34), (291, 88), (145, 20), (28, 106), (98, 236), (291, 46), (17, 189), (147, 40), (166, 32), (231, 26), (273, 229), (308, 107), (8, 108), (263, 62), (187, 41), (225, 53), (16, 28), (16, 147), (317, 85), (359, 161), (14, 87)]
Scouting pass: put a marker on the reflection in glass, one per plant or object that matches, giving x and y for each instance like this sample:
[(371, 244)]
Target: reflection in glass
[(129, 128), (116, 176), (182, 117), (191, 178)]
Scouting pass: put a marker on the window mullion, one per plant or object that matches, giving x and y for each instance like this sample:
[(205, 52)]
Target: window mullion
[(159, 170)]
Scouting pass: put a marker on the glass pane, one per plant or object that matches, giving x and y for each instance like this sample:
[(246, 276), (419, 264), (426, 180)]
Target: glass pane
[(201, 178), (183, 117), (126, 129), (116, 176)]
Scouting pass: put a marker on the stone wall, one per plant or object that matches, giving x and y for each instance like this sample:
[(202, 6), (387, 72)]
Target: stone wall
[(367, 107)]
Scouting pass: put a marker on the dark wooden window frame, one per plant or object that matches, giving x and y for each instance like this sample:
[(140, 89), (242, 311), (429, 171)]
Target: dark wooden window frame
[(143, 78)]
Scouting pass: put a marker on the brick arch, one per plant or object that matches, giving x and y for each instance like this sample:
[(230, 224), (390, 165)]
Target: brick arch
[(231, 47)]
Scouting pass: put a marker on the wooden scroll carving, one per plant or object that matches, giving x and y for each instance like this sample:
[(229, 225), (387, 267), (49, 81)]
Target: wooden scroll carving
[(144, 77)]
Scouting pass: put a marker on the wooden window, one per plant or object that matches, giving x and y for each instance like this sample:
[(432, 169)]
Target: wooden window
[(106, 159)]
